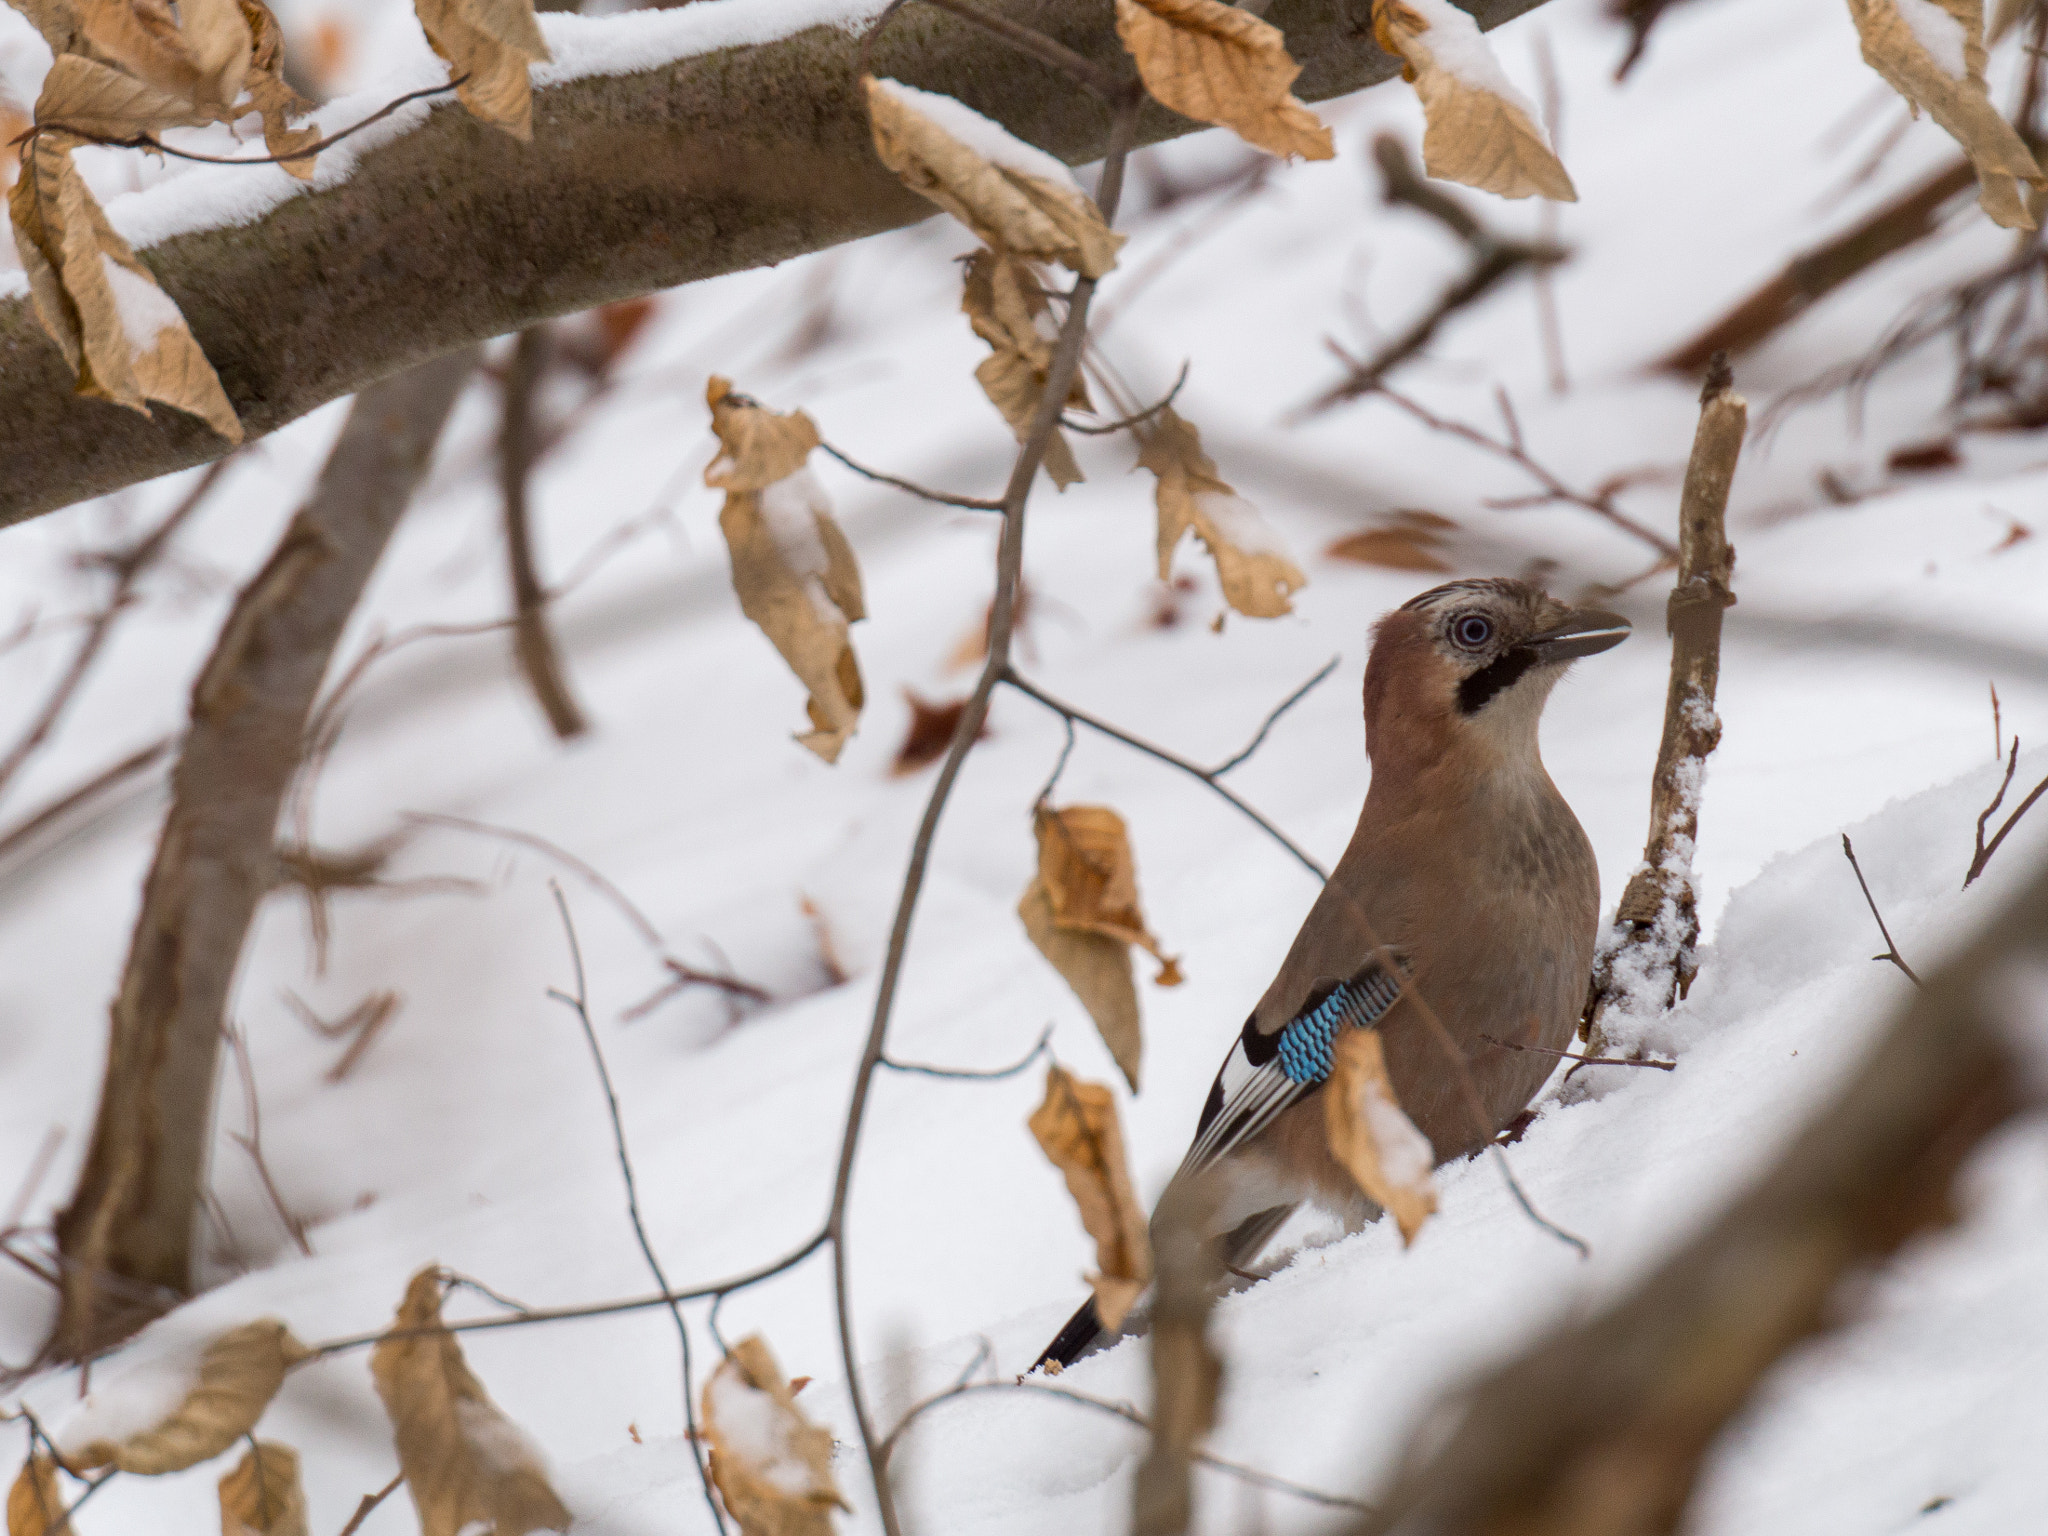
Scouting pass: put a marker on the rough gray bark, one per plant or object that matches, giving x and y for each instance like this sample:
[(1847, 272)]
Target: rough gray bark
[(456, 232), (126, 1237), (1600, 1429)]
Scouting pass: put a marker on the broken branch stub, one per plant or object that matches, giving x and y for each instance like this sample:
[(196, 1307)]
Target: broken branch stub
[(1646, 960)]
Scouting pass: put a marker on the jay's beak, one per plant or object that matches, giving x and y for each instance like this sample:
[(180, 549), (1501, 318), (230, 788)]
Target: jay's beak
[(1587, 632)]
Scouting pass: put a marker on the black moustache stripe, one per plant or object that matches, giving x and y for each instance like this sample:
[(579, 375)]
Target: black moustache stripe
[(1502, 672)]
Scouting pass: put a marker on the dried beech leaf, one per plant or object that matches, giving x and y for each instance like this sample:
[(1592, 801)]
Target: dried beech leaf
[(1016, 198), (1481, 130), (102, 102), (468, 1466), (1078, 1129), (1218, 64), (1004, 300), (35, 1501), (1932, 52), (792, 568), (263, 1495), (198, 53), (772, 1466), (271, 96), (239, 1374), (930, 734), (120, 333), (55, 20), (1258, 577), (1084, 858), (1098, 968), (1409, 541), (494, 43), (1373, 1138)]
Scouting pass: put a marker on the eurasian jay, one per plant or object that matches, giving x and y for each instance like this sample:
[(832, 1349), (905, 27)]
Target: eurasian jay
[(1462, 913)]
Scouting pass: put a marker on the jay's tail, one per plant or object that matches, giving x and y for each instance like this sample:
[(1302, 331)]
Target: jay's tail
[(1084, 1333)]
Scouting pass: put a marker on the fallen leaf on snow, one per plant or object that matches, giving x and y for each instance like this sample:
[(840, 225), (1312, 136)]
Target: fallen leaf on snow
[(930, 733), (466, 1464), (772, 1466), (1219, 64), (1480, 130), (1409, 541), (1258, 577), (792, 568), (1078, 1129), (1373, 1138)]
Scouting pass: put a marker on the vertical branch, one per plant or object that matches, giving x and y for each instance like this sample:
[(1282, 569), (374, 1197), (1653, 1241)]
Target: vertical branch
[(126, 1237), (1648, 959), (1186, 1374), (1066, 361), (519, 448)]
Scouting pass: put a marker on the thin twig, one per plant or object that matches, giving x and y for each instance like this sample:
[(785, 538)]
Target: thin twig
[(943, 498), (1040, 1049), (579, 1004), (156, 146), (369, 1502), (1530, 1211), (1279, 709), (1173, 760), (1891, 950), (25, 831), (1583, 1060), (1137, 418), (1982, 855), (251, 1141), (519, 449), (1131, 1416)]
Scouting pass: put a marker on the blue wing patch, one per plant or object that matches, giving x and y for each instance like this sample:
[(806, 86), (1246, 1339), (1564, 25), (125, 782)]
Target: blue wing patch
[(1266, 1074)]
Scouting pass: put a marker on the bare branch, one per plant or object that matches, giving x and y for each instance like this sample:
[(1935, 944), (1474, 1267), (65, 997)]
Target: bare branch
[(24, 832), (369, 1502), (943, 498), (1983, 851), (1043, 1048), (519, 449), (1891, 945)]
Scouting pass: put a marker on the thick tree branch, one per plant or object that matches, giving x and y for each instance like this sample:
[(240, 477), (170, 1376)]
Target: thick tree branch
[(126, 1237), (456, 232)]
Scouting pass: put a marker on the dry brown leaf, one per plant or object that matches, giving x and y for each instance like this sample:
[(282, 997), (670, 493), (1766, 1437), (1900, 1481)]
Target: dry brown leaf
[(930, 733), (462, 1458), (1373, 1138), (101, 102), (1219, 64), (1409, 541), (1098, 969), (1258, 577), (198, 53), (1935, 60), (773, 1467), (118, 330), (238, 1375), (1078, 1129), (792, 567), (271, 96), (1016, 198), (1480, 130), (494, 43), (35, 1501), (55, 20), (263, 1495), (1004, 300)]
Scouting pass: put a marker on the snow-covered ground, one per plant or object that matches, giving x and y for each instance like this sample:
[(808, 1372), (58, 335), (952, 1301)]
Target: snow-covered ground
[(1854, 693)]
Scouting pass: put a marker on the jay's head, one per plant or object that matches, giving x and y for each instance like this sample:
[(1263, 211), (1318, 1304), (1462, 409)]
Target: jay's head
[(1468, 665)]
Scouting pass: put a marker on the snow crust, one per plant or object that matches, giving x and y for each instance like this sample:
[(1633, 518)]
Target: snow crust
[(1941, 34), (473, 1131), (146, 311), (984, 135), (1461, 49), (1238, 522)]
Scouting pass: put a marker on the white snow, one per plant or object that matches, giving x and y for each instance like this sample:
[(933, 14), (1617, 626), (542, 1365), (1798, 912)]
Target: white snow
[(146, 311), (984, 135), (757, 1429), (1405, 1155), (1238, 523), (473, 1132), (791, 508), (1461, 50), (1941, 34)]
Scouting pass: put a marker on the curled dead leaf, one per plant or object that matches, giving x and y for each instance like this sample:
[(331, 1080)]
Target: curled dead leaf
[(1258, 578), (792, 567), (1480, 130), (99, 101), (120, 332), (494, 43), (238, 1374), (35, 1502), (1935, 58), (1078, 1129), (272, 96), (263, 1496), (930, 732), (772, 1466), (1016, 198), (1098, 968), (197, 52), (1407, 541), (1003, 297), (1218, 64), (464, 1461), (1373, 1138)]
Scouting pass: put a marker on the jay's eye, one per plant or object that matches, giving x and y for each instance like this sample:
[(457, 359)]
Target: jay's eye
[(1471, 631)]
